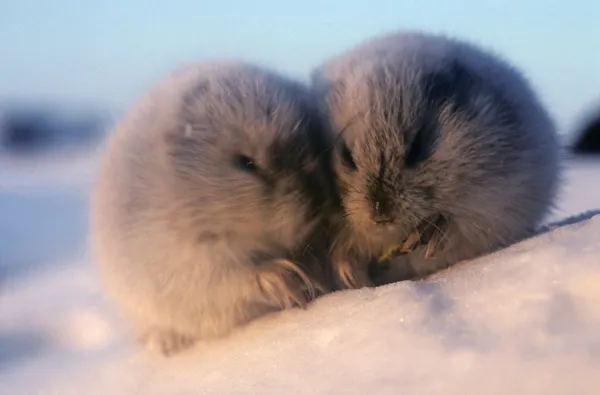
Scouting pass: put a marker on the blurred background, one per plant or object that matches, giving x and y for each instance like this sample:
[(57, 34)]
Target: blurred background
[(69, 69)]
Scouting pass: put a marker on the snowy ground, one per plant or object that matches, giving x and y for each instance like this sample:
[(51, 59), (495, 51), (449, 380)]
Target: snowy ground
[(525, 320)]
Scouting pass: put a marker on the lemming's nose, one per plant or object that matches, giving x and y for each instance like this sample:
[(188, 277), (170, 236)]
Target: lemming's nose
[(381, 213)]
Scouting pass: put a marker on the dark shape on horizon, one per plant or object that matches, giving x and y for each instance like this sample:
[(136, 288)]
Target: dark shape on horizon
[(25, 132), (587, 141), (30, 130)]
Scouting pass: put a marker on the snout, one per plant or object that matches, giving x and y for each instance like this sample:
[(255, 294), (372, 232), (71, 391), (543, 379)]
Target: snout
[(381, 214), (382, 210)]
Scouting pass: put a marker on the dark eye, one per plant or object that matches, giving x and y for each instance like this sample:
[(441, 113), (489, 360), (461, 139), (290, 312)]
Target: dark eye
[(347, 157), (245, 163), (416, 152)]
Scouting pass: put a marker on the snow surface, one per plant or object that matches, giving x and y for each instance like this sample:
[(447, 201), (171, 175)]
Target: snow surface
[(525, 320)]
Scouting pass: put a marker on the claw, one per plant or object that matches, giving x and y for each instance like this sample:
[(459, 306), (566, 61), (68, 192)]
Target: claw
[(353, 274), (280, 286), (430, 249), (436, 238), (429, 234), (166, 342), (411, 242)]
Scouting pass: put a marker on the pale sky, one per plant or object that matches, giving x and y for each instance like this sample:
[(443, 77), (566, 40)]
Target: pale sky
[(106, 52)]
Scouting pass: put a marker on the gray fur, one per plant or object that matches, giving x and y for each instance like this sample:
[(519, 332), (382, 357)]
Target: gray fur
[(185, 237), (436, 126)]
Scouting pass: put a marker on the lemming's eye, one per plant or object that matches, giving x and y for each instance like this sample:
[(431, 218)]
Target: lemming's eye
[(416, 150), (245, 163), (347, 157)]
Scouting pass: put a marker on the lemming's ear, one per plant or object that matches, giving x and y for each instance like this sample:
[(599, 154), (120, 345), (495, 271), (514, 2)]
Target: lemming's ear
[(192, 97), (194, 129)]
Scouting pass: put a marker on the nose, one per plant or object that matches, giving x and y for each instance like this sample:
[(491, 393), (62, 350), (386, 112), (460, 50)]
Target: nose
[(381, 213)]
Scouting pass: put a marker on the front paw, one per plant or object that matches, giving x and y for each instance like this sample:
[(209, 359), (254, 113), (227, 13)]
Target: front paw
[(285, 285), (166, 342), (352, 273)]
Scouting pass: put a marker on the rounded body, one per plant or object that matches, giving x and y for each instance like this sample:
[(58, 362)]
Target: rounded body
[(207, 187), (439, 138)]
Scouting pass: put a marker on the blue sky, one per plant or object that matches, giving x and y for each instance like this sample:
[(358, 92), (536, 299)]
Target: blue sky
[(106, 52)]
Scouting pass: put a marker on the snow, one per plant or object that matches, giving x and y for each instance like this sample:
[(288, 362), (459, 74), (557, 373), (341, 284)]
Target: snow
[(524, 320)]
